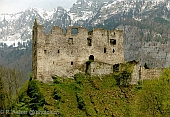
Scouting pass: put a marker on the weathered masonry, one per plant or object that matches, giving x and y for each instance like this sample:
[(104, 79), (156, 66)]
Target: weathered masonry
[(65, 54)]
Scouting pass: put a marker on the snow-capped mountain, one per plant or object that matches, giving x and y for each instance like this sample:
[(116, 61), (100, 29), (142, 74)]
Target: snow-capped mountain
[(84, 10), (145, 24), (17, 27)]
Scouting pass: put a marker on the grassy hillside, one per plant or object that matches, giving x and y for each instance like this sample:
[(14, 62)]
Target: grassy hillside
[(97, 97), (83, 96)]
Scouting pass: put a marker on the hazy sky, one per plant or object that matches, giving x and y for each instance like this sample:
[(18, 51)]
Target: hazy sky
[(14, 6)]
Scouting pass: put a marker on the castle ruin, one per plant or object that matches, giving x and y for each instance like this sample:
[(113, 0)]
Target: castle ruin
[(65, 54)]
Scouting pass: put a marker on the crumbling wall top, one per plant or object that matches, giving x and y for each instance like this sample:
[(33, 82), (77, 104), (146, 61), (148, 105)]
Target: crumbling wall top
[(75, 30), (57, 30)]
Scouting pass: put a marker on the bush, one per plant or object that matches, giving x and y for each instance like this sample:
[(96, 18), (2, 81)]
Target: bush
[(123, 77), (55, 80), (139, 86), (79, 78), (56, 94), (80, 101)]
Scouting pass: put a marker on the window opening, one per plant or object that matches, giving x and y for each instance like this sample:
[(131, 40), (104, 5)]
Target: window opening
[(113, 41), (71, 62), (89, 42), (45, 51), (74, 31), (58, 51), (70, 41), (104, 50), (113, 50)]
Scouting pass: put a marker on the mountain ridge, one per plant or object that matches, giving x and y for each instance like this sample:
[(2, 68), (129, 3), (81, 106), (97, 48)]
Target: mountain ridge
[(145, 23)]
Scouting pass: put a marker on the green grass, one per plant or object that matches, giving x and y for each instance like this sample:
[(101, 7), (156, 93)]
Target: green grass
[(84, 96), (102, 97)]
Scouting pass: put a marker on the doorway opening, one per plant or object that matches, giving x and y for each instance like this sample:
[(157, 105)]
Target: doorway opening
[(91, 58)]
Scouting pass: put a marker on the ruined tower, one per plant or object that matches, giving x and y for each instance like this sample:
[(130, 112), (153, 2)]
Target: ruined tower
[(65, 54)]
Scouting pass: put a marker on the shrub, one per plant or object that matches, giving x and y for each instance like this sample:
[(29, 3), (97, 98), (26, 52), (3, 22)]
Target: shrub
[(56, 94), (123, 77), (79, 78), (55, 80), (80, 101)]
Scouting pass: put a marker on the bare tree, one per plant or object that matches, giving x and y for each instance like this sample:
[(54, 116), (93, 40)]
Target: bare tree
[(2, 95), (12, 80)]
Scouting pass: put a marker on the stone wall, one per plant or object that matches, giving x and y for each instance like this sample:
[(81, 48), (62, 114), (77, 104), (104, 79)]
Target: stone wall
[(135, 74), (150, 73), (65, 54), (98, 69), (140, 73)]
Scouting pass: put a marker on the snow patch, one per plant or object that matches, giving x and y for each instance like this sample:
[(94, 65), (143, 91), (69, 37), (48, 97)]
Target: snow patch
[(168, 6), (10, 17), (44, 13)]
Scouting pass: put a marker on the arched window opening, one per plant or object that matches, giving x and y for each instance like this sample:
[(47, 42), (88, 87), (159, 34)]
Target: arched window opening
[(91, 57)]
